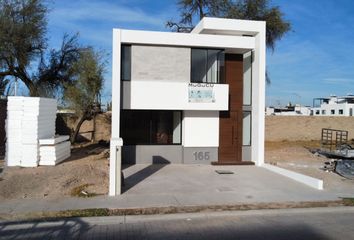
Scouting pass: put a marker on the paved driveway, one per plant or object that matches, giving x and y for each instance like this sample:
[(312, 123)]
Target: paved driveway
[(148, 186), (200, 184)]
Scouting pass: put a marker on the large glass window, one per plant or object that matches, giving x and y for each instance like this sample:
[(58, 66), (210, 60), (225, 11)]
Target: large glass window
[(140, 127), (126, 62), (207, 65), (247, 78), (246, 133)]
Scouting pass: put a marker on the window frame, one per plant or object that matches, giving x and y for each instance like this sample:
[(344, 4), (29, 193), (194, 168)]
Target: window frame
[(150, 127), (243, 76), (250, 144), (206, 73), (121, 62)]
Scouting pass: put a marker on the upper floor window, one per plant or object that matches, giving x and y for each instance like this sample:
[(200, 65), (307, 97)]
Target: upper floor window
[(207, 65), (126, 62)]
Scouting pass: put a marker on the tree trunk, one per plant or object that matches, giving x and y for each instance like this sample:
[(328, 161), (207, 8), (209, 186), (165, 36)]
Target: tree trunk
[(77, 128), (32, 88), (200, 6), (94, 128)]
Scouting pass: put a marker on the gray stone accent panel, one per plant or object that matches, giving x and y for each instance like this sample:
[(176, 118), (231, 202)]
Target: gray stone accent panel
[(152, 154), (200, 155), (155, 63)]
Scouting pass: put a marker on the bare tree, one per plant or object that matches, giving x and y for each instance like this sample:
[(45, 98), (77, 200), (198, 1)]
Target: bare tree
[(23, 46), (83, 94)]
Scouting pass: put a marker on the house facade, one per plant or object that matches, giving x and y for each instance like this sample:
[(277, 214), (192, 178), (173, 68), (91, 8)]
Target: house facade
[(290, 110), (333, 106), (188, 98)]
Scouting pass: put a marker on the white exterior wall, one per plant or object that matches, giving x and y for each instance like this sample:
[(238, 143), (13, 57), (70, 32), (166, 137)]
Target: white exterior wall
[(169, 96), (187, 39), (155, 63), (115, 162), (298, 111), (336, 107), (258, 96), (200, 129)]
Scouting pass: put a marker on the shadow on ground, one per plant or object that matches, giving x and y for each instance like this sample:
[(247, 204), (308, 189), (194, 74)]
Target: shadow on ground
[(71, 228), (173, 229), (158, 163), (93, 149)]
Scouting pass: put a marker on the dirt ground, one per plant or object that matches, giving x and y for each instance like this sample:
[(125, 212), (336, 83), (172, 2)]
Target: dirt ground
[(296, 156), (86, 169)]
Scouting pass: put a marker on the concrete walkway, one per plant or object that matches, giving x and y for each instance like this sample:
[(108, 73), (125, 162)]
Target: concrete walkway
[(149, 186)]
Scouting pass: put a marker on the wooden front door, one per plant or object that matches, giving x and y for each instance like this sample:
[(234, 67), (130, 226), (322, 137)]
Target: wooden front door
[(230, 132)]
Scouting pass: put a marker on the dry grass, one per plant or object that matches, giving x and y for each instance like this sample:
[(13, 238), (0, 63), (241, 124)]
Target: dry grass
[(348, 201), (171, 210), (81, 191)]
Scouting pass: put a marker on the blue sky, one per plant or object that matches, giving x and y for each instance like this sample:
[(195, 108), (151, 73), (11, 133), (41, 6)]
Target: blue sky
[(315, 59)]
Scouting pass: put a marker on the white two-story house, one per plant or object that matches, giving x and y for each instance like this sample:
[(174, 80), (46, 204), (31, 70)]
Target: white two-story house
[(188, 98), (333, 106)]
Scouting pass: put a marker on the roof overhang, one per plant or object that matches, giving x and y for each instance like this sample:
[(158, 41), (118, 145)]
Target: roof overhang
[(239, 44), (233, 27)]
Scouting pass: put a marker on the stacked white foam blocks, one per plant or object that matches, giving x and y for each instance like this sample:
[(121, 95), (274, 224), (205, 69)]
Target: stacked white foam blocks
[(13, 127), (54, 150), (28, 120)]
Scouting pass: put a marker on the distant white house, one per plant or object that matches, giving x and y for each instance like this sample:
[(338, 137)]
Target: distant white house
[(290, 110), (333, 106)]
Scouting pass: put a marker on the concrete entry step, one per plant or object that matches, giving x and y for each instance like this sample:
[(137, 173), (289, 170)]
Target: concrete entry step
[(233, 163), (224, 172)]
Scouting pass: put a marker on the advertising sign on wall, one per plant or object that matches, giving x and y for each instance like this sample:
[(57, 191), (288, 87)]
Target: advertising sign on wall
[(201, 93)]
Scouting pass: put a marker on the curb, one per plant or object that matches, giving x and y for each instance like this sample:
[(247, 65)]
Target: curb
[(299, 177), (101, 212)]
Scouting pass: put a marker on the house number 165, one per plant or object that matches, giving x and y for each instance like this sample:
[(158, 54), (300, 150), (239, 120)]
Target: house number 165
[(201, 156)]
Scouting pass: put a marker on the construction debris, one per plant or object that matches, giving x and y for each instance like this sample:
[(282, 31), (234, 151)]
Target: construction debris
[(345, 168), (334, 145)]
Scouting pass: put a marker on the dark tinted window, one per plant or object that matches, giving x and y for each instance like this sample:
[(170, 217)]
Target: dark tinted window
[(126, 62), (140, 127), (207, 65), (199, 65)]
